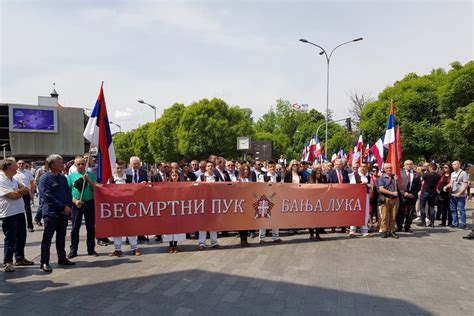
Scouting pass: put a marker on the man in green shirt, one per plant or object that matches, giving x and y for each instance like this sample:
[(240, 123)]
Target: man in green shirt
[(82, 185)]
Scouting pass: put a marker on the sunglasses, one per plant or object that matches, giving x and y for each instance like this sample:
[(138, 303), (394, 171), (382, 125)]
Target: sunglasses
[(80, 164)]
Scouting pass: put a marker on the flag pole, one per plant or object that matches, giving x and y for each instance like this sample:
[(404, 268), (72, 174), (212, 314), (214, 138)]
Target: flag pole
[(88, 159), (87, 166)]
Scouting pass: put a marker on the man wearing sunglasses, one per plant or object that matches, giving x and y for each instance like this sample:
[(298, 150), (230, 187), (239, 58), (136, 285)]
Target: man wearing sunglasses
[(257, 173)]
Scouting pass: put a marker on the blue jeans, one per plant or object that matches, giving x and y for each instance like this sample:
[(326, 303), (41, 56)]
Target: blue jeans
[(458, 203), (426, 198)]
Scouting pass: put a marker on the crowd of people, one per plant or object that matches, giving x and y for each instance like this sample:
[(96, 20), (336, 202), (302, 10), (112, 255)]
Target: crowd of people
[(66, 193)]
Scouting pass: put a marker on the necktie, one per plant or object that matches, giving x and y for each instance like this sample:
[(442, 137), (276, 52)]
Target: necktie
[(164, 177), (339, 176), (135, 176)]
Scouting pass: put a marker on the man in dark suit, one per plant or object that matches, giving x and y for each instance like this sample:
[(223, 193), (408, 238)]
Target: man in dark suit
[(220, 171), (272, 177), (233, 173), (162, 174), (257, 173), (338, 174), (139, 175), (411, 184)]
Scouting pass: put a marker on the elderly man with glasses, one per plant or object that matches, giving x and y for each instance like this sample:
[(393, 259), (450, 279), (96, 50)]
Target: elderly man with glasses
[(82, 185), (389, 201)]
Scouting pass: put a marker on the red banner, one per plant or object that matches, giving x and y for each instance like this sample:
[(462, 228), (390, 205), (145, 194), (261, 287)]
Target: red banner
[(165, 208)]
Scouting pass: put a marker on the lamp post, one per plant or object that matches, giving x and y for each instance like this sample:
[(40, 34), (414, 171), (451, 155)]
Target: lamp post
[(328, 60), (120, 127), (5, 150), (150, 105)]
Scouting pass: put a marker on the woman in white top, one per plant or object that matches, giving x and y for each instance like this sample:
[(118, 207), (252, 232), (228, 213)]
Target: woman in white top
[(208, 176), (173, 238), (244, 176), (120, 178)]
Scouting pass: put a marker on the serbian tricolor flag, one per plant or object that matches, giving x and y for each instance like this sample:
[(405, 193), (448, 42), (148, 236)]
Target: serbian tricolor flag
[(334, 156), (360, 145), (97, 132), (368, 156), (341, 154), (377, 151), (305, 153), (318, 151), (312, 149), (392, 142)]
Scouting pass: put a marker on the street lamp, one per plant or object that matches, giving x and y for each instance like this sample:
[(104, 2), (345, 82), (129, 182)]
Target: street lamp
[(5, 150), (120, 127), (328, 60), (150, 105)]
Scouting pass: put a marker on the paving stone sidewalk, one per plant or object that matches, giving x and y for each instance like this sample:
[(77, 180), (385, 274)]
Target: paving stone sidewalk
[(429, 272)]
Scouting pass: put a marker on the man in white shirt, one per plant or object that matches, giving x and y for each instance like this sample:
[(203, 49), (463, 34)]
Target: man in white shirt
[(12, 213), (458, 184), (208, 176), (26, 179), (201, 168), (233, 174), (272, 177), (362, 176)]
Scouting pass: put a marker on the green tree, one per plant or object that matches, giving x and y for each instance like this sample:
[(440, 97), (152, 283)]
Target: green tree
[(140, 144), (459, 134), (163, 134), (123, 145), (457, 89), (212, 127), (430, 109)]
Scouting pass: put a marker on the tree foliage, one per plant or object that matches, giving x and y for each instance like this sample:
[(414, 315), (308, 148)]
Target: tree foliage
[(434, 112)]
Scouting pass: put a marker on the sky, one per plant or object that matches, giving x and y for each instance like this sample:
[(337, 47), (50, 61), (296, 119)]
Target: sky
[(245, 52)]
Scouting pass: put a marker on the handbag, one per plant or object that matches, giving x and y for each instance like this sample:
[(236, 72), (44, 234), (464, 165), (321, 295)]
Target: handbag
[(439, 199)]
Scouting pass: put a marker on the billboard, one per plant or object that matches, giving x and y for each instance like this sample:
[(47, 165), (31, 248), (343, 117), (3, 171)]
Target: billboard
[(33, 119)]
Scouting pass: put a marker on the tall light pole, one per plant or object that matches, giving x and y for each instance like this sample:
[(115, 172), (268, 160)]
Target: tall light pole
[(150, 105), (5, 150), (328, 60), (120, 127)]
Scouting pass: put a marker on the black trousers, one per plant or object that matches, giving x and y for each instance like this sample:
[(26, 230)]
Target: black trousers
[(54, 224), (374, 203), (405, 214), (318, 231), (87, 210), (14, 228), (446, 210), (29, 217), (243, 235)]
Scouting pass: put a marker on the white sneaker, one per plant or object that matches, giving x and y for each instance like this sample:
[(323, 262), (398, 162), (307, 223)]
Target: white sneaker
[(8, 267)]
